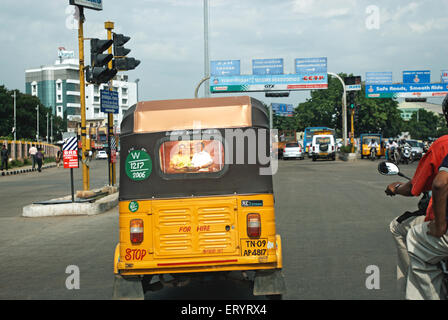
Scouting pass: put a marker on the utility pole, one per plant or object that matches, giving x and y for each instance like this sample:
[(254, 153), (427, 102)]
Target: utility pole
[(82, 91), (47, 129), (51, 126), (37, 116), (15, 117), (206, 55), (137, 81)]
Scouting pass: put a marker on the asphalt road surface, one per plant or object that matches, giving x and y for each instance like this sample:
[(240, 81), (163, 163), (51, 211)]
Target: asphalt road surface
[(333, 218)]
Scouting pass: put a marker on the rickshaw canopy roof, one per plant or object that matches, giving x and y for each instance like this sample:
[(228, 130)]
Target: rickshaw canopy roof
[(183, 114)]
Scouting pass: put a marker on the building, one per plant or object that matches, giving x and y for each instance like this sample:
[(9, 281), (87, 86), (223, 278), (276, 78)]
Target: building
[(57, 87), (407, 109)]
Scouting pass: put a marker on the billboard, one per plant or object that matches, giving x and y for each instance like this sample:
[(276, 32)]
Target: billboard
[(267, 66), (423, 76), (245, 83), (406, 90), (444, 76), (91, 4), (225, 67)]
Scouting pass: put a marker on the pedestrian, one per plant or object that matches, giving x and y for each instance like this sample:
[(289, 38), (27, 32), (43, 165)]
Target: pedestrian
[(4, 155), (39, 159), (58, 158), (33, 151)]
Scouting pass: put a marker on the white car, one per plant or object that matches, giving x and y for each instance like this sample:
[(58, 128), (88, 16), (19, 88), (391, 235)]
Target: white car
[(292, 150), (101, 155)]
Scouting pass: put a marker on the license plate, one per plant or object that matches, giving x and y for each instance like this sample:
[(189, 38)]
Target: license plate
[(323, 154), (254, 247)]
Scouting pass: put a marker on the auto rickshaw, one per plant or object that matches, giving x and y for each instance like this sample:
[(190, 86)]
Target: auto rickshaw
[(195, 198), (366, 138)]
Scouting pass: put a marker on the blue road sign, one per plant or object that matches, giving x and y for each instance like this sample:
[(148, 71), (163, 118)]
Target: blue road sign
[(109, 101), (225, 67), (267, 66), (311, 65), (444, 76), (378, 77), (282, 109), (417, 77)]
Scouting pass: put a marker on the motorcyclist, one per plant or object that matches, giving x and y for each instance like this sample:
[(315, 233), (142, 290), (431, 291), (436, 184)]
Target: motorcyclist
[(427, 243), (422, 181), (373, 144)]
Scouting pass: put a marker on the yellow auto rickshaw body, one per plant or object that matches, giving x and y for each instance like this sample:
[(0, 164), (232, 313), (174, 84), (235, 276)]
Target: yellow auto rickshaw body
[(364, 141), (176, 217)]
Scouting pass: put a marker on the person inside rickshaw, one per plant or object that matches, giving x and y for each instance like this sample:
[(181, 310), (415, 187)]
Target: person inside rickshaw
[(201, 158), (181, 160)]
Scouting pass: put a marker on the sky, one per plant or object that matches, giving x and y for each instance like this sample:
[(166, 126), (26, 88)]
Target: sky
[(356, 36)]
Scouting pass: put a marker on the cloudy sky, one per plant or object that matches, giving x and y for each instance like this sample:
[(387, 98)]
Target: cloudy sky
[(167, 36)]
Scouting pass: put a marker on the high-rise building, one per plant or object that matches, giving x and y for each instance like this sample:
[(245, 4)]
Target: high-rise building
[(57, 87)]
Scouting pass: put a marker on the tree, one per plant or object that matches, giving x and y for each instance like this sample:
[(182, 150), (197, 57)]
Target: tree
[(423, 124), (26, 115), (324, 108)]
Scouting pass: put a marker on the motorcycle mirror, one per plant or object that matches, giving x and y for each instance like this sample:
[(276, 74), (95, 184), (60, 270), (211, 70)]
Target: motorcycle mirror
[(388, 168)]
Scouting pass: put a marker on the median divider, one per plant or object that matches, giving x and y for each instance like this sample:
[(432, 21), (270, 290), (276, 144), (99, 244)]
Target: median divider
[(27, 169), (86, 204)]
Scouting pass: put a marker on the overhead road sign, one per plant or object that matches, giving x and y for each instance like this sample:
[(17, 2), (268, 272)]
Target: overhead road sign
[(281, 82), (109, 101), (282, 109), (225, 67), (417, 77), (267, 66), (311, 65), (378, 77), (90, 4), (444, 76), (407, 90)]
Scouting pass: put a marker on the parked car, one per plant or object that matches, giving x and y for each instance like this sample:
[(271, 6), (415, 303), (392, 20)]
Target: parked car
[(293, 150), (101, 155)]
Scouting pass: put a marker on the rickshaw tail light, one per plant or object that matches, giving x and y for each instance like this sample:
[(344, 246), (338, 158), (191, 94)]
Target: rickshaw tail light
[(253, 225), (136, 228)]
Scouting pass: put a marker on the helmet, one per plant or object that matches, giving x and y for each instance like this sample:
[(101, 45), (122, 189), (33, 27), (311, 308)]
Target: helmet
[(445, 108)]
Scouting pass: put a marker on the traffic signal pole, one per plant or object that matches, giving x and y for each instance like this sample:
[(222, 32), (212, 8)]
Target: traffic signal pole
[(82, 90), (109, 26)]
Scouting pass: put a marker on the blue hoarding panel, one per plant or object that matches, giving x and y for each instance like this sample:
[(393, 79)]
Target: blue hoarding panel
[(267, 66), (282, 109), (225, 67), (311, 65), (444, 76), (109, 101), (378, 77), (423, 76)]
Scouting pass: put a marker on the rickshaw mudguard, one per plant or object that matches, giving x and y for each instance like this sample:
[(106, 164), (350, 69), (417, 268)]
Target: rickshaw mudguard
[(129, 288)]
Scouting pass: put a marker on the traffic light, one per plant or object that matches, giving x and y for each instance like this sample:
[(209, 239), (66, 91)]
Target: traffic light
[(99, 72), (121, 62), (351, 100), (277, 94)]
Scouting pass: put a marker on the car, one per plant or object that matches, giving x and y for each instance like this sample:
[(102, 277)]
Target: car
[(292, 150), (101, 155), (416, 148), (323, 146)]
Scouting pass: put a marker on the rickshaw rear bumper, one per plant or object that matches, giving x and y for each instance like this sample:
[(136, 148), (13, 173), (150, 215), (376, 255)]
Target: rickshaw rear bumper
[(199, 264)]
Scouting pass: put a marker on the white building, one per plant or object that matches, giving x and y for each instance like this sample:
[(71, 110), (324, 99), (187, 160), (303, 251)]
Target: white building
[(57, 87)]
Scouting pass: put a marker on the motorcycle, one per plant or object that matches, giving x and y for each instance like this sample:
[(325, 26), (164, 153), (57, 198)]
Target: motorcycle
[(373, 154), (406, 154), (389, 169)]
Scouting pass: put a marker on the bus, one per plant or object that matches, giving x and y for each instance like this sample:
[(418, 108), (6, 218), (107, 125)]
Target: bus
[(308, 135)]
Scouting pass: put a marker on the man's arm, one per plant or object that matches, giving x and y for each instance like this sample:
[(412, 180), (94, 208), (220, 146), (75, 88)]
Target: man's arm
[(403, 189), (437, 228)]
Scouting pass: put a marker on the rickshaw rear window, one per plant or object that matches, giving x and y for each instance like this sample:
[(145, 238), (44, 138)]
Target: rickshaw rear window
[(322, 140), (194, 156)]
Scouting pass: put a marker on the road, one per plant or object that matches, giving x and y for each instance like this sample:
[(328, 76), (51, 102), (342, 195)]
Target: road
[(333, 218)]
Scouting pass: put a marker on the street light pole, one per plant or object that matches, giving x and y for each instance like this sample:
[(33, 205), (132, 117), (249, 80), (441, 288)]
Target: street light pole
[(344, 108), (51, 126), (37, 116), (137, 81), (206, 55), (47, 128), (15, 117)]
